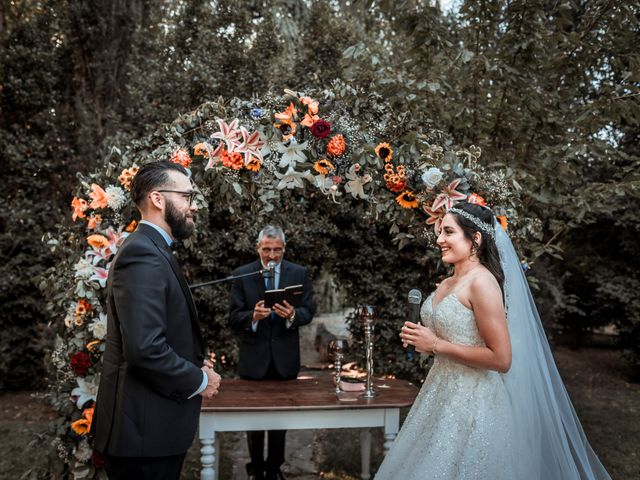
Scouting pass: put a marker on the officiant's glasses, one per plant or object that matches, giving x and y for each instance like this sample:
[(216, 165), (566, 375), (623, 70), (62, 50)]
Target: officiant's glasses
[(190, 195)]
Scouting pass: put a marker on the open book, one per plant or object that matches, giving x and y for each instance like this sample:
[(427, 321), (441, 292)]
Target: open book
[(292, 294)]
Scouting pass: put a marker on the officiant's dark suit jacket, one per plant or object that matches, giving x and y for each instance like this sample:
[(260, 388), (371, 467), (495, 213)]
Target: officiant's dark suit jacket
[(272, 339), (153, 357)]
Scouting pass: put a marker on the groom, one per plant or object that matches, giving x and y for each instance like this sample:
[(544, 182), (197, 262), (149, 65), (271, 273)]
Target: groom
[(153, 377)]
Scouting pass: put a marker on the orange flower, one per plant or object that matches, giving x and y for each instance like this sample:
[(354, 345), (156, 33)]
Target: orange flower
[(287, 127), (98, 197), (395, 178), (93, 346), (83, 425), (126, 176), (312, 105), (232, 160), (288, 115), (407, 200), (384, 151), (309, 120), (79, 206), (503, 221), (82, 307), (201, 149), (323, 166), (181, 156), (132, 226), (253, 165), (477, 199), (98, 241), (336, 146), (94, 222)]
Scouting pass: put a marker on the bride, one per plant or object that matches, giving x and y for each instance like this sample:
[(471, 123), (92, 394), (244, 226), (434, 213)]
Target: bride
[(493, 404)]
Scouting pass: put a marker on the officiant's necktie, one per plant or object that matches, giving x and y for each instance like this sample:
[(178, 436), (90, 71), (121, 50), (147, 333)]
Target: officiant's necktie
[(270, 286)]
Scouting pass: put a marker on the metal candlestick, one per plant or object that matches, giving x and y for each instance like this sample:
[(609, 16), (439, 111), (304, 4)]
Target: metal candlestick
[(337, 350), (366, 314)]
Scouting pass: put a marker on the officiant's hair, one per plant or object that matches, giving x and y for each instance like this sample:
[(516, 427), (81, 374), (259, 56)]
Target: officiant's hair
[(271, 231), (151, 176), (487, 251)]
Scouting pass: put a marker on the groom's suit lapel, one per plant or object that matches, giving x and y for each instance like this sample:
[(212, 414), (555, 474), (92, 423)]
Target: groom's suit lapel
[(166, 252)]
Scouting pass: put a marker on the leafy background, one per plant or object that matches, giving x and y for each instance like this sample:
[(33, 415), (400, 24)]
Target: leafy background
[(549, 90)]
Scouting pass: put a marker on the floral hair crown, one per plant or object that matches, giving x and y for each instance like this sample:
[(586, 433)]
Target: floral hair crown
[(484, 226)]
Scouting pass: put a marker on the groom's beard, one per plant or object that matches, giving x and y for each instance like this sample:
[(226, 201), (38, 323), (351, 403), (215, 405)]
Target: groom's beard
[(181, 227)]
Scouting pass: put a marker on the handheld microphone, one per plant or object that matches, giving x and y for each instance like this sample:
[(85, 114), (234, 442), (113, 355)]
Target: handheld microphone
[(414, 298)]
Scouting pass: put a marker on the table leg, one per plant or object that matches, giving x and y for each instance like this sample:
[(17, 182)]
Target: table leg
[(365, 453), (391, 427), (208, 458)]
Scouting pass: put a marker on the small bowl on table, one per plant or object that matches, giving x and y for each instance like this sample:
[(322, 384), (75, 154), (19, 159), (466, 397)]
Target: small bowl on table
[(350, 384)]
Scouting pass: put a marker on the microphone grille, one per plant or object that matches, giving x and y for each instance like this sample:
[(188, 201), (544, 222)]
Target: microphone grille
[(415, 296), (271, 264)]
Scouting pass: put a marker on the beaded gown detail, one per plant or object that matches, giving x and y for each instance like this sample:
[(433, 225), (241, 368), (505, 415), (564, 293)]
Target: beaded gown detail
[(459, 425)]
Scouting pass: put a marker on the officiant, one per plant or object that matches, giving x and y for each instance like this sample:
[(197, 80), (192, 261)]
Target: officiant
[(269, 341)]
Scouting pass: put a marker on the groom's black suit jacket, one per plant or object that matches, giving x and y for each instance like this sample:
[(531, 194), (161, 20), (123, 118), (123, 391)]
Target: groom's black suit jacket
[(272, 340), (153, 357)]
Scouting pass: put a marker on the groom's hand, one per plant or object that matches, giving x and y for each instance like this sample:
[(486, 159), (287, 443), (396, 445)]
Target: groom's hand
[(213, 382)]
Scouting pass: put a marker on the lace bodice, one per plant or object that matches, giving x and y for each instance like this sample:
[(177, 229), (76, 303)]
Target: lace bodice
[(451, 320)]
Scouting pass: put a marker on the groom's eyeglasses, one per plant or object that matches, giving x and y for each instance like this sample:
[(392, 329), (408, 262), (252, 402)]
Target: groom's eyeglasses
[(190, 195)]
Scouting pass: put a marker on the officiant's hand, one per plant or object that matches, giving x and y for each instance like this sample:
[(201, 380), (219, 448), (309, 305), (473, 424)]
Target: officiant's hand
[(421, 337), (284, 311), (260, 311)]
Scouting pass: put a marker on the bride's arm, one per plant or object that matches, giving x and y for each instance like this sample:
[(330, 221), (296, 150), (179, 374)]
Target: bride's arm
[(486, 301)]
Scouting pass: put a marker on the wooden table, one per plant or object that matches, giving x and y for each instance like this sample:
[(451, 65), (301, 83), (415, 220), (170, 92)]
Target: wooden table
[(306, 402)]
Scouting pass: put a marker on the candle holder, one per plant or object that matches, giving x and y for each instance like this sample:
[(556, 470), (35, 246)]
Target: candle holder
[(366, 315), (338, 348)]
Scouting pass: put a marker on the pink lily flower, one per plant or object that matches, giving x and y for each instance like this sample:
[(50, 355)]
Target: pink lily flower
[(435, 218), (229, 133), (448, 196)]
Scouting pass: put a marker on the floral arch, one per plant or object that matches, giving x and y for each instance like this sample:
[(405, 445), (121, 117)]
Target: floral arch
[(348, 150)]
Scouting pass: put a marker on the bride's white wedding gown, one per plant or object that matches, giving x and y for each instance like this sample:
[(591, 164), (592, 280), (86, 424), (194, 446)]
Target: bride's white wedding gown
[(460, 424)]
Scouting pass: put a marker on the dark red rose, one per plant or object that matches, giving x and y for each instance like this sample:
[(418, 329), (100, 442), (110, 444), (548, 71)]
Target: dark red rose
[(80, 362), (98, 460), (321, 129)]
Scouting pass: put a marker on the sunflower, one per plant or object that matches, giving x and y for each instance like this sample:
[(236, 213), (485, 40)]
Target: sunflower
[(336, 146), (384, 151), (407, 200), (201, 149), (323, 166), (287, 127), (253, 165)]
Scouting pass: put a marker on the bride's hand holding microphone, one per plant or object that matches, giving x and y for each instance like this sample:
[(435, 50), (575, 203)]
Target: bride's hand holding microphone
[(420, 337)]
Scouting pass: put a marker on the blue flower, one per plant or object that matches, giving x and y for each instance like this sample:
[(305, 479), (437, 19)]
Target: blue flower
[(256, 113)]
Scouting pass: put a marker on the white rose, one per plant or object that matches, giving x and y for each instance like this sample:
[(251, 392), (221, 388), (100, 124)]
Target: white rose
[(432, 177), (99, 327)]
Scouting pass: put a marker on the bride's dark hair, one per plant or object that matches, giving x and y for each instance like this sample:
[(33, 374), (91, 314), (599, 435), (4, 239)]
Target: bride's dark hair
[(487, 251)]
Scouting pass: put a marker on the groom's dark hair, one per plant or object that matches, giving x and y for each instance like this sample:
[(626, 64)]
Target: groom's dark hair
[(152, 176)]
